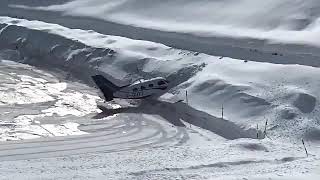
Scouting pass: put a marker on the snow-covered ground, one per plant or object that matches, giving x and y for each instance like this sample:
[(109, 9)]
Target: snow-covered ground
[(148, 141), (164, 138), (30, 100)]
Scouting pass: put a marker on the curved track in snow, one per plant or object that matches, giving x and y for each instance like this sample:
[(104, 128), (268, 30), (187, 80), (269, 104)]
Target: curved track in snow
[(111, 139)]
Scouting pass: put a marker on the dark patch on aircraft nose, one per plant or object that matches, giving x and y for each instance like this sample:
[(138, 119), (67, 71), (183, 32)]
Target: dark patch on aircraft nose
[(163, 88)]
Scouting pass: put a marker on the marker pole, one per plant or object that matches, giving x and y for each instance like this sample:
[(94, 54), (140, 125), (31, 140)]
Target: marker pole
[(222, 111), (187, 97), (305, 148)]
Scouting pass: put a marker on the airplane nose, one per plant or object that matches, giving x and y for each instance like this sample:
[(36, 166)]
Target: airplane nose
[(164, 87)]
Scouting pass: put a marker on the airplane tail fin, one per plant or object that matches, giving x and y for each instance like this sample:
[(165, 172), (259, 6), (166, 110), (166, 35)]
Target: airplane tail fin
[(106, 86)]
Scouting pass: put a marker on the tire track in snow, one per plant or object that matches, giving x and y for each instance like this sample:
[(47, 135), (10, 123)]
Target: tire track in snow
[(220, 165), (63, 150), (69, 140), (88, 145), (71, 151)]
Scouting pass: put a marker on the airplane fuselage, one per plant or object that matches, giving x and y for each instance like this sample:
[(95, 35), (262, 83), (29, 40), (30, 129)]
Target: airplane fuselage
[(142, 89), (138, 90)]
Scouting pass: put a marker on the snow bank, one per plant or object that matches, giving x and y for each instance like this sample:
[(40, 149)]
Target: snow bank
[(194, 30), (79, 50)]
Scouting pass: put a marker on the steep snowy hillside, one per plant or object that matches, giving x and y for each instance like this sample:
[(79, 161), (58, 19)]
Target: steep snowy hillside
[(221, 28)]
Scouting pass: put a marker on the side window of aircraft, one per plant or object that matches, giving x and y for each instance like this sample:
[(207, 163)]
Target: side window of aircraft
[(135, 89), (143, 88), (161, 83), (151, 85)]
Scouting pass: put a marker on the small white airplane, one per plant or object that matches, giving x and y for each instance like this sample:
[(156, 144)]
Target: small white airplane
[(140, 89)]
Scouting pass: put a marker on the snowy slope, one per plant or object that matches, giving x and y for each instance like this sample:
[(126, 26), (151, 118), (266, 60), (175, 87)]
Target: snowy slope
[(286, 99), (263, 41), (258, 70), (285, 20)]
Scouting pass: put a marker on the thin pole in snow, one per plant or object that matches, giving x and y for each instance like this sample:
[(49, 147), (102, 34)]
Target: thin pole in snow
[(257, 131), (187, 97), (265, 128), (305, 148), (222, 111)]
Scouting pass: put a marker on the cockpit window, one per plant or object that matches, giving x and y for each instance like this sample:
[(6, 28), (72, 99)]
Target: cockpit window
[(135, 89), (143, 88), (150, 85), (161, 83)]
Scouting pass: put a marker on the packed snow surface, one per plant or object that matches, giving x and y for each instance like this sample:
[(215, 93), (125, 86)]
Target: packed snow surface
[(30, 99)]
